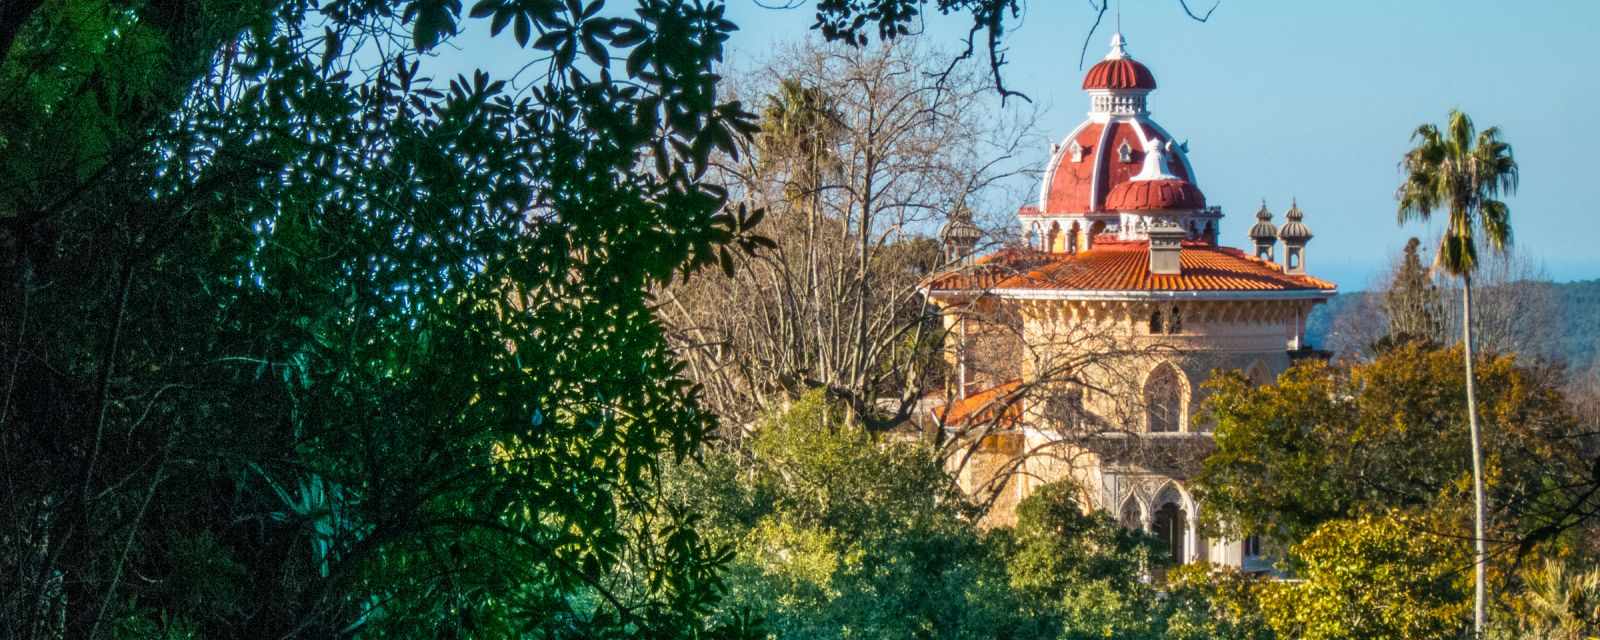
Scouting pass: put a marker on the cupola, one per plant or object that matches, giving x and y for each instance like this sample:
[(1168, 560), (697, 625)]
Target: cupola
[(1264, 234), (959, 235), (1294, 234), (1118, 83)]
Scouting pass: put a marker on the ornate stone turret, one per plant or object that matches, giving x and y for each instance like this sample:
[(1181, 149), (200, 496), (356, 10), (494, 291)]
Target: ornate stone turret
[(1264, 234), (959, 236), (1294, 234)]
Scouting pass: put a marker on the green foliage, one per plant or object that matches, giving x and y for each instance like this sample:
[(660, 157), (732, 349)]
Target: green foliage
[(838, 534), (302, 343), (1561, 601), (1085, 574), (1213, 602), (1293, 455), (1059, 547), (1377, 576)]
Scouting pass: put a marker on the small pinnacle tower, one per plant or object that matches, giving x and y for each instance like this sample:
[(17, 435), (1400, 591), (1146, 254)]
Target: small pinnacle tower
[(1264, 234), (1294, 234), (959, 235)]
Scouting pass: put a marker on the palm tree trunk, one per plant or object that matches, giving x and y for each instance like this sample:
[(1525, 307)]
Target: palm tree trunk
[(1479, 595)]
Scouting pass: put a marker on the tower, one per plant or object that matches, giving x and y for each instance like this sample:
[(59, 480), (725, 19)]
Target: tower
[(1264, 234), (1295, 234), (1123, 269), (959, 236)]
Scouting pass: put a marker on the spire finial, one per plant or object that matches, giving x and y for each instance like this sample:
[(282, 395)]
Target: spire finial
[(1118, 47)]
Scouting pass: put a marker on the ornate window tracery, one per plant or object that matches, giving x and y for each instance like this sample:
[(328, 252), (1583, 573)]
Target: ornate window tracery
[(1163, 400)]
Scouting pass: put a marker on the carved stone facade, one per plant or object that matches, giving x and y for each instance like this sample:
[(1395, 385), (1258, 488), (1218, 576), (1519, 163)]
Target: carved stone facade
[(1110, 321)]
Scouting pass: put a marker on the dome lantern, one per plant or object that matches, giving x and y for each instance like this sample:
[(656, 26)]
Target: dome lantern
[(1117, 84)]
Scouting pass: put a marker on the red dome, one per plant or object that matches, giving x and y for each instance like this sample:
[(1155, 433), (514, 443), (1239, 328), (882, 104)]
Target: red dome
[(1144, 195), (1119, 73)]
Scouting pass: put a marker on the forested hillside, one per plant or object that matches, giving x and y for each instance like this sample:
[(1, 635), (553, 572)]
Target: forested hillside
[(1571, 312)]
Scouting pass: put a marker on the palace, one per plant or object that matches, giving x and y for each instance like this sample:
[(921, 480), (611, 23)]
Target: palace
[(1083, 350)]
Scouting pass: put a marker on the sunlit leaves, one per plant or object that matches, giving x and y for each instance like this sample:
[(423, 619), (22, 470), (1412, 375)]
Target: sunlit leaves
[(1391, 575), (1300, 452)]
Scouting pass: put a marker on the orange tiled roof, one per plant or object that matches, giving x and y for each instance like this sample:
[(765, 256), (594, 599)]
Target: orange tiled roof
[(981, 405), (1125, 266)]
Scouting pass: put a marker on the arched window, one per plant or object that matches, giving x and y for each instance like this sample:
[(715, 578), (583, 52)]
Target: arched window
[(1155, 322), (1163, 400), (1131, 516), (1053, 239), (1033, 236), (1072, 238), (1175, 321), (1095, 230)]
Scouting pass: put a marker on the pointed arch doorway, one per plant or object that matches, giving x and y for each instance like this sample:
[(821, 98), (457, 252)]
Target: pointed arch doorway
[(1170, 525)]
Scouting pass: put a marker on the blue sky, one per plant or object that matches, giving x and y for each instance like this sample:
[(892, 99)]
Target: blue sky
[(1311, 99)]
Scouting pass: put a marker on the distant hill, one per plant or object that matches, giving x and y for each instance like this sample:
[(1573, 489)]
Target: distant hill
[(1573, 317)]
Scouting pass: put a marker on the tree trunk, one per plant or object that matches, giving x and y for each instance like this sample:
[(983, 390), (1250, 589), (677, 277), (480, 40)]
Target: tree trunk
[(1481, 562)]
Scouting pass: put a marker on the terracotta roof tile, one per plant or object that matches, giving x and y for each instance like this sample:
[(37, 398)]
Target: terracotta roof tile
[(982, 405), (1125, 266), (1143, 195), (1119, 73)]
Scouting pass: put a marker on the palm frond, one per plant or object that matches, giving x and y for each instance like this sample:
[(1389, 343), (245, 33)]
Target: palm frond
[(1457, 256), (1496, 224), (1461, 130), (1463, 172)]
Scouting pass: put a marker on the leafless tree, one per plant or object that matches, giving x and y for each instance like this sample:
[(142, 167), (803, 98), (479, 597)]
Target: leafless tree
[(863, 153), (1512, 308)]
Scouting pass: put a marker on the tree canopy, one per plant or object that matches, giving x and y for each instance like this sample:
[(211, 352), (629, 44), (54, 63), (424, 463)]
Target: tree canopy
[(300, 342), (1328, 442)]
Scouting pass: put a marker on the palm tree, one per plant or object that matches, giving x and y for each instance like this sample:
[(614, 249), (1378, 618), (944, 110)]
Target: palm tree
[(1562, 603), (1463, 174)]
